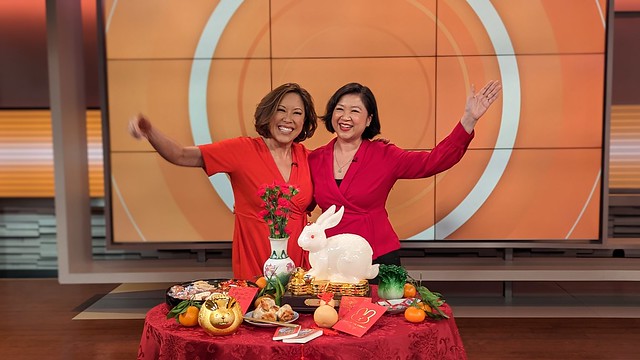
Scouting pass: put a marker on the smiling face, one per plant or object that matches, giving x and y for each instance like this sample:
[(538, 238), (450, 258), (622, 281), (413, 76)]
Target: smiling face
[(350, 118), (287, 121)]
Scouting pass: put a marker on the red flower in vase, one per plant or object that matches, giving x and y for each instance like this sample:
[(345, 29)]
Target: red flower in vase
[(276, 200)]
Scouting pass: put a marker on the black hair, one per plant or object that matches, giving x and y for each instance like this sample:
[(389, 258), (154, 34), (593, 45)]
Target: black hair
[(369, 101)]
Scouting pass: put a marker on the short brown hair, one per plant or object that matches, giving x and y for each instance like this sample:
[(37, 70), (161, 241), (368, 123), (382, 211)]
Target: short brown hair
[(269, 104)]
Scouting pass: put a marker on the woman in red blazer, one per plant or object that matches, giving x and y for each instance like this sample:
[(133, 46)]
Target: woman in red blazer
[(357, 173)]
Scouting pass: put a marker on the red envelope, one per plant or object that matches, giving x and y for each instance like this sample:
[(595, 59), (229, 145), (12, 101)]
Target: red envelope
[(360, 319), (348, 302), (244, 296)]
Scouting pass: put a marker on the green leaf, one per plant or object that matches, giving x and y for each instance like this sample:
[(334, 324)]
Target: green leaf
[(434, 300), (179, 309), (392, 273)]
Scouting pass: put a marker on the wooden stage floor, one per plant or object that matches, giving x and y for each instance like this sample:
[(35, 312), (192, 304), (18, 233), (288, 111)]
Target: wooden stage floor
[(45, 320)]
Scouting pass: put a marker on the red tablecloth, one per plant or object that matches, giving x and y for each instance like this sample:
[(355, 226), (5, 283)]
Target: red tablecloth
[(392, 337)]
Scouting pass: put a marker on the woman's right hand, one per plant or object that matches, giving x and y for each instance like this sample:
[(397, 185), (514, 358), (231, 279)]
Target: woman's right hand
[(140, 127)]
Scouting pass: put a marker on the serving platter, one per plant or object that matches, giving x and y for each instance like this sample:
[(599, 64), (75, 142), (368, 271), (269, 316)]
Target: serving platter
[(198, 290), (396, 306), (249, 315)]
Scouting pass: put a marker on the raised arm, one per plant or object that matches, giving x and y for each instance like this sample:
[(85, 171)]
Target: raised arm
[(140, 127), (478, 103)]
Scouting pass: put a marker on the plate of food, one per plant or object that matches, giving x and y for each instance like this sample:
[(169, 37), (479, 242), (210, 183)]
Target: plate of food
[(396, 306), (249, 317), (199, 290), (268, 314)]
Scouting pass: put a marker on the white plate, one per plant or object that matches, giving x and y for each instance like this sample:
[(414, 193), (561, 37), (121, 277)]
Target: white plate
[(249, 315), (396, 306)]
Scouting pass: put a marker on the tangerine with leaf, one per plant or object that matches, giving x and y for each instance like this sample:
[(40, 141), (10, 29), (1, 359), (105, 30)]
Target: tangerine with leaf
[(414, 314), (189, 317), (185, 313)]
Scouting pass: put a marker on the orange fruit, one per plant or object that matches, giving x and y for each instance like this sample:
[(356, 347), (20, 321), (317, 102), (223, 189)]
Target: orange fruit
[(424, 306), (414, 314), (189, 317), (261, 282), (409, 291)]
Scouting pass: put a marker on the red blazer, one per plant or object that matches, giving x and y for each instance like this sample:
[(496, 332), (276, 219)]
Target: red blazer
[(366, 185)]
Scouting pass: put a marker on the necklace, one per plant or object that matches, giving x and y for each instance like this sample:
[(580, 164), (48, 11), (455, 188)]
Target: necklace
[(340, 167)]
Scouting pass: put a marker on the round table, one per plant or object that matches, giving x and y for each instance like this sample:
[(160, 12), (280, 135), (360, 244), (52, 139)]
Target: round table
[(392, 337)]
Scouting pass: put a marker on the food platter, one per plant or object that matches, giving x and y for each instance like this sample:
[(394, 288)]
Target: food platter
[(249, 315), (198, 290), (396, 306)]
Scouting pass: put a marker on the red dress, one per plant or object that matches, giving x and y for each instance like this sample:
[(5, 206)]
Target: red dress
[(249, 164)]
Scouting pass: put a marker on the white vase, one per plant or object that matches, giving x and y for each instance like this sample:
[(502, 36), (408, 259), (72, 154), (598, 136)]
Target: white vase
[(279, 264)]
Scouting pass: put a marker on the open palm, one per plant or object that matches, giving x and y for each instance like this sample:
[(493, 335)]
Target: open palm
[(478, 103)]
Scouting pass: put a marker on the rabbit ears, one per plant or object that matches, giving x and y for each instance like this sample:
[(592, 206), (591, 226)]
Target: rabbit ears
[(330, 218)]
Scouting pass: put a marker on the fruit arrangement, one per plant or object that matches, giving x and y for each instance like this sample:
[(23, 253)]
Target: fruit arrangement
[(395, 283), (431, 301), (425, 304)]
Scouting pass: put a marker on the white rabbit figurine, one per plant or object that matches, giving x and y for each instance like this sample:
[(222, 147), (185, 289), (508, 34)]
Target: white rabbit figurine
[(344, 258)]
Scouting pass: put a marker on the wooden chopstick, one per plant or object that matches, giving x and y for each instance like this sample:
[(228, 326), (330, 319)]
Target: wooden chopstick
[(270, 322)]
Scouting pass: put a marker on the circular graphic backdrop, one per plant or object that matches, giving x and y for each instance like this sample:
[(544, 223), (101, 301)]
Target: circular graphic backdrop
[(495, 30)]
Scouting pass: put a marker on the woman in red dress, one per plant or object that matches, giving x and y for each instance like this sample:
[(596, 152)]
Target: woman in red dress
[(283, 118)]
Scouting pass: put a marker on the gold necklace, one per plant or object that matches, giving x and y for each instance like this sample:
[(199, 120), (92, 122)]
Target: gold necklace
[(337, 163)]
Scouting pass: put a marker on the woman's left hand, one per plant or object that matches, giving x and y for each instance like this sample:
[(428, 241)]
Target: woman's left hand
[(478, 103)]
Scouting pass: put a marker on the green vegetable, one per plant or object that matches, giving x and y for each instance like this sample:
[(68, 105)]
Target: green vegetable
[(274, 287), (391, 281)]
